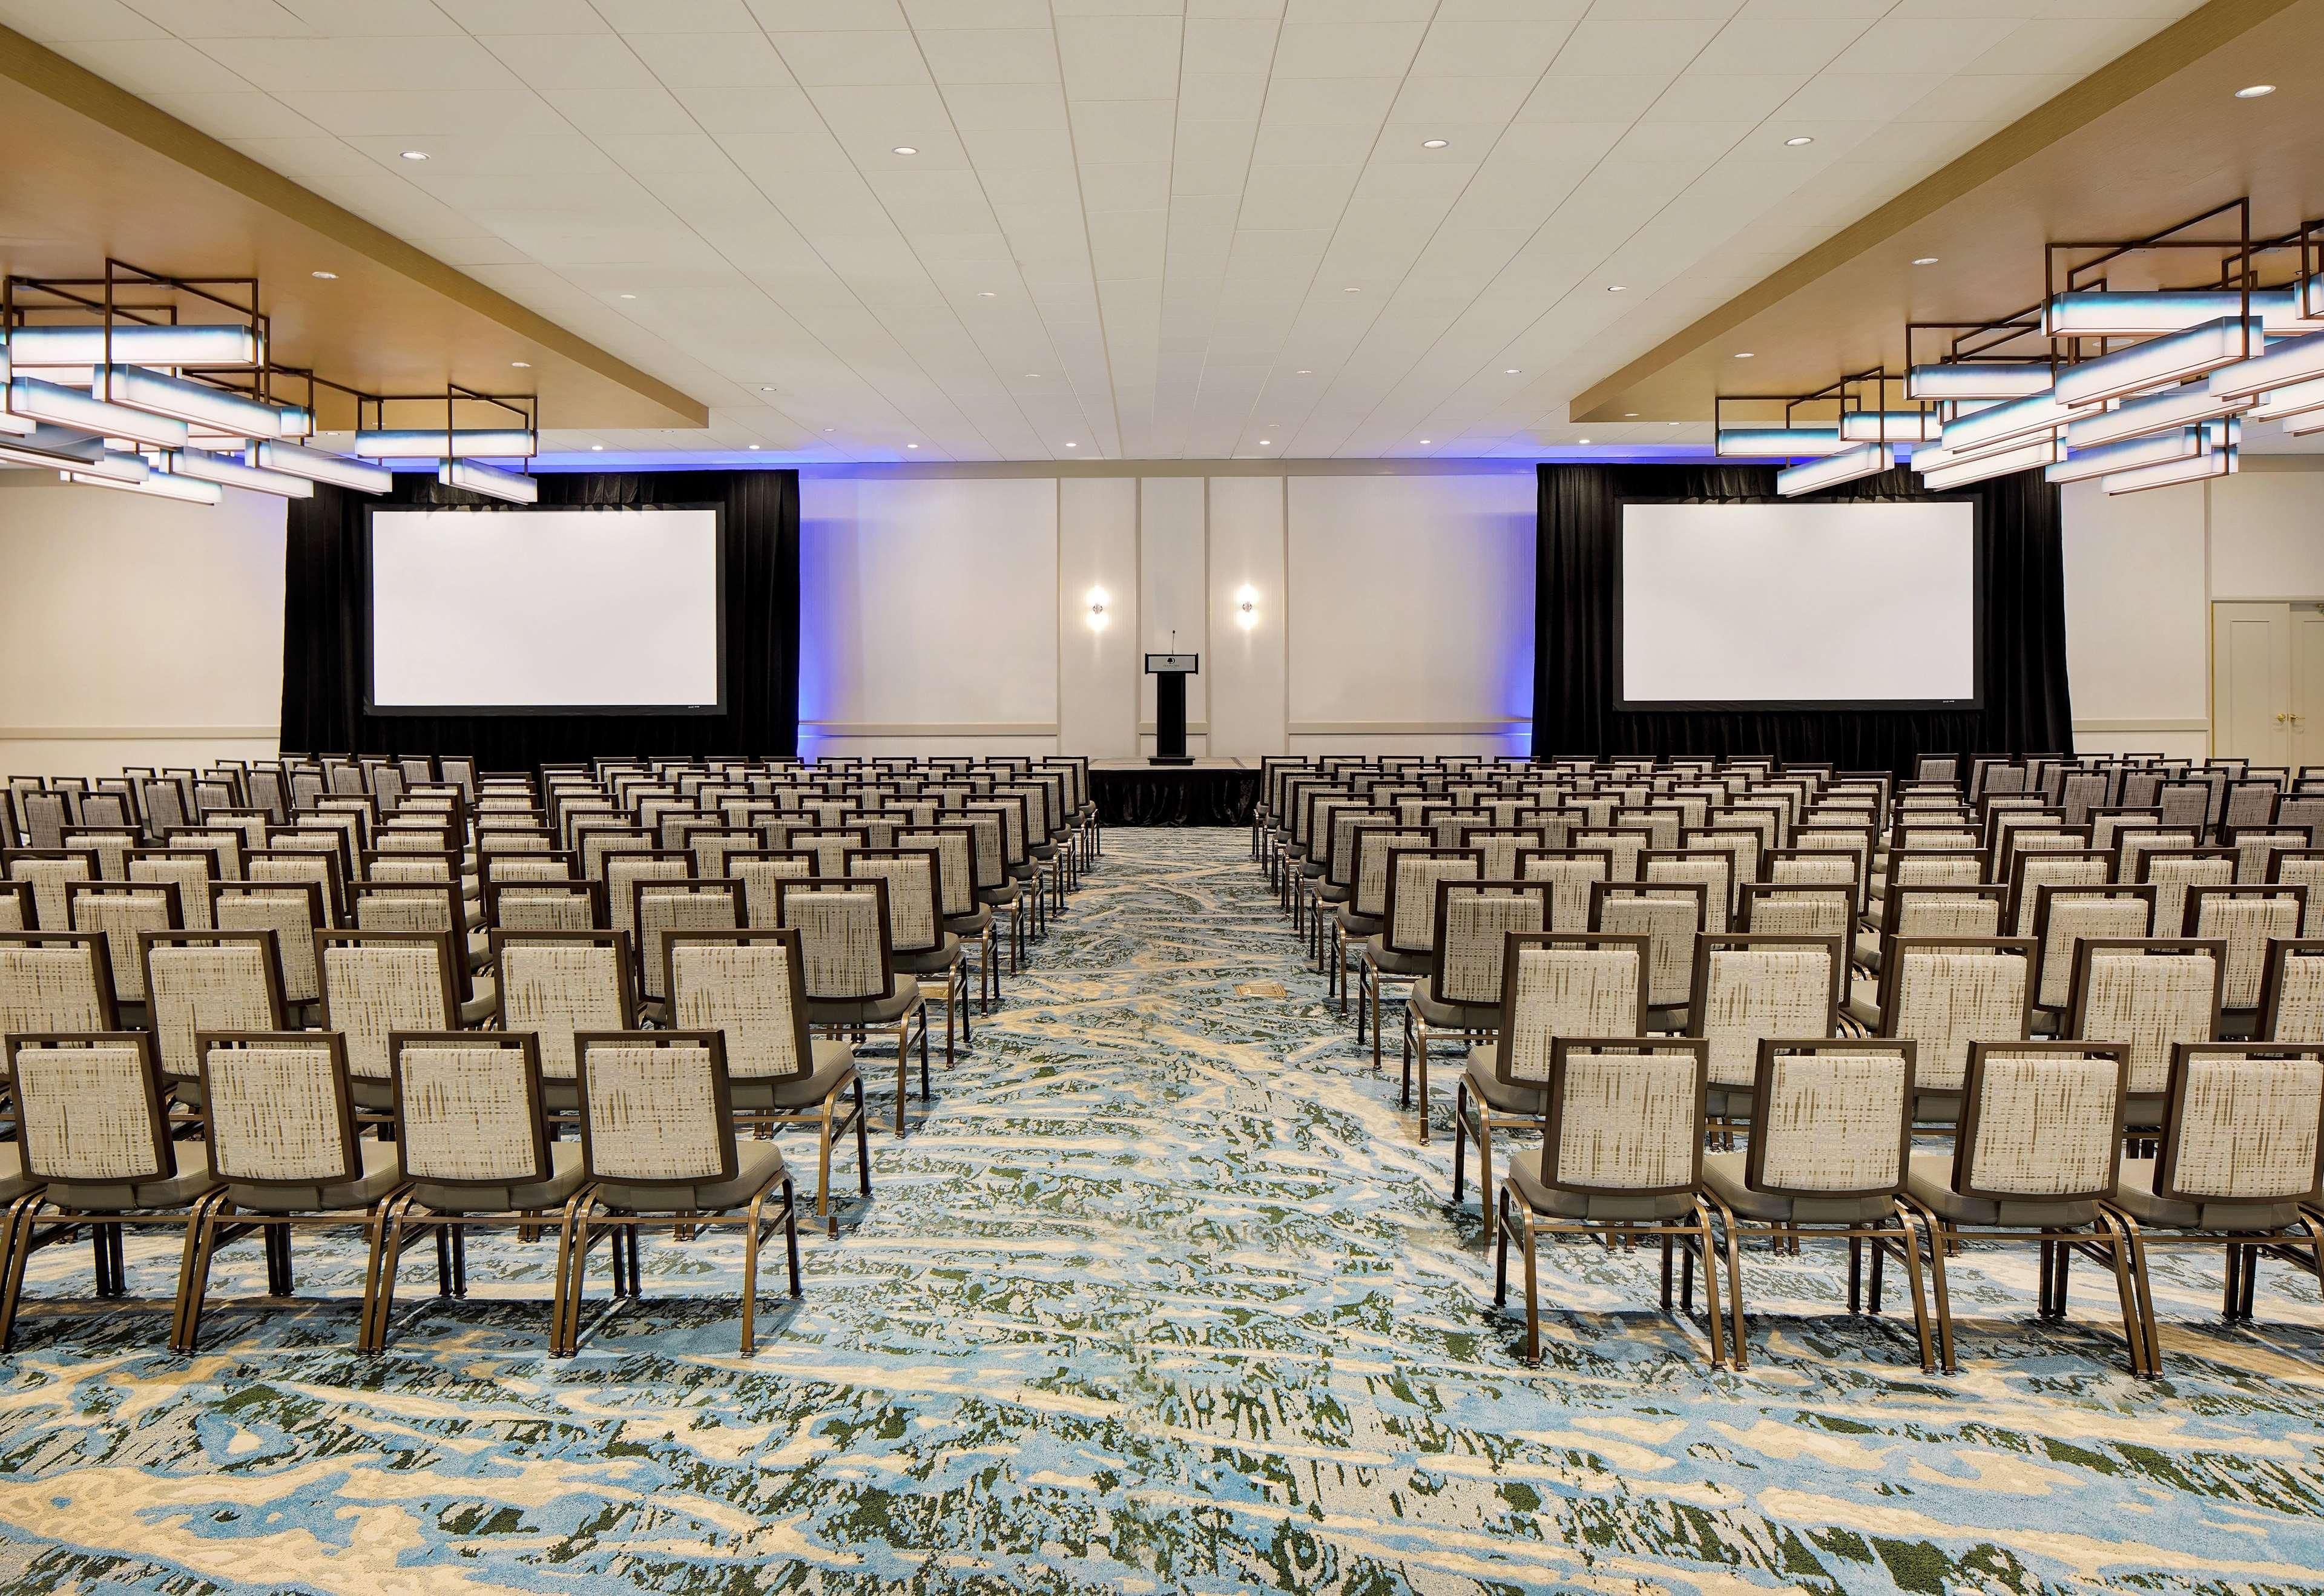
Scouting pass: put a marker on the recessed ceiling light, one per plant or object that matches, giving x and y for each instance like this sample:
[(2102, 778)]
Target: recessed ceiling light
[(1304, 371), (906, 149), (1629, 415), (1423, 443), (1433, 144), (1745, 355), (1581, 440), (912, 446), (1351, 289), (1267, 443), (1796, 142), (2257, 91), (985, 293), (1035, 376), (415, 154), (522, 366), (831, 429), (1670, 423), (629, 296), (1073, 445), (1508, 370), (754, 445), (326, 276), (766, 387), (1925, 260), (597, 449), (1617, 288)]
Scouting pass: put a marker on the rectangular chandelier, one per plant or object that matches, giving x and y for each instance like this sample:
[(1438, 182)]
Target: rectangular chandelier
[(2032, 456), (231, 473), (1866, 459), (480, 443), (1980, 379), (2153, 450), (157, 484), (70, 407), (2037, 412), (58, 447), (84, 344), (490, 481), (199, 404), (1778, 442), (2294, 399), (2169, 359), (319, 465), (1891, 426), (2169, 474), (2146, 314), (2182, 406), (2286, 362)]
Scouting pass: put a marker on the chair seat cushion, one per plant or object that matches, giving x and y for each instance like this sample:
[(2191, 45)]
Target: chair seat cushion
[(1723, 1174), (834, 1068), (757, 1164), (107, 1196), (2135, 1194), (1868, 950), (1930, 1181), (1445, 1016), (902, 999), (383, 1172), (1863, 1005), (476, 1010), (970, 927), (564, 1180), (1332, 894), (1506, 1097), (1358, 927), (932, 960), (1525, 1177), (13, 1183), (480, 949), (1386, 959)]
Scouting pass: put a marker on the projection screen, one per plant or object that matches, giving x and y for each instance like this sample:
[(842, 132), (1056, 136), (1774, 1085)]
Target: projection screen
[(550, 611), (1769, 606)]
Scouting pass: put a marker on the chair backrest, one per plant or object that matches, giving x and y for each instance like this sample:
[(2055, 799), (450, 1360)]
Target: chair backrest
[(749, 987), (955, 848), (1750, 986), (1792, 909), (655, 1107), (2247, 917), (1670, 913), (2292, 992), (2063, 916), (48, 871), (1475, 919), (2040, 1121), (2150, 994), (119, 911), (1830, 1120), (1556, 985), (1948, 992), (2301, 867), (2171, 871), (468, 1110), (1410, 907), (376, 984), (190, 869), (277, 1108), (1714, 870), (554, 984), (222, 844), (624, 869), (208, 981), (1626, 1115), (1570, 874), (294, 863), (88, 1107), (761, 871), (2241, 1124), (1373, 848), (1949, 911), (685, 905), (915, 925), (2030, 872), (54, 982), (842, 926), (292, 911), (112, 845), (438, 867), (545, 905), (17, 911)]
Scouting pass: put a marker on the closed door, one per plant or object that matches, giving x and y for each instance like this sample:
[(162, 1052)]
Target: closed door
[(2251, 681), (2306, 702)]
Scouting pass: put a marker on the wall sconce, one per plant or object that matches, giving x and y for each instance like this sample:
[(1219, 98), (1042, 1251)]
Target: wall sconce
[(1247, 607), (1097, 599)]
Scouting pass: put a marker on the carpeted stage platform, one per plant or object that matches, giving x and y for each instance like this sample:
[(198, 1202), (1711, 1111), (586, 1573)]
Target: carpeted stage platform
[(1208, 792)]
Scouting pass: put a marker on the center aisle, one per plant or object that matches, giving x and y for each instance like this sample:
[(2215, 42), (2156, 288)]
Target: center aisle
[(1161, 1296)]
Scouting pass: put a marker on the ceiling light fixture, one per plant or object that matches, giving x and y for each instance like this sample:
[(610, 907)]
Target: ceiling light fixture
[(1866, 459), (522, 366), (2257, 91), (597, 449), (1801, 139), (2181, 443), (1746, 354), (754, 445), (2141, 367), (2295, 399), (1891, 426), (325, 276), (160, 485), (1073, 445), (229, 472), (465, 443), (77, 408), (906, 149), (1786, 443), (629, 296), (1423, 443), (2291, 360), (2030, 456), (183, 344), (1351, 289), (199, 404), (2145, 315), (1266, 442), (1629, 415), (1304, 372), (985, 294), (2221, 462), (1979, 379), (1581, 440), (1925, 260), (415, 154), (912, 446), (1617, 288), (490, 481), (319, 465), (1508, 370), (1433, 144)]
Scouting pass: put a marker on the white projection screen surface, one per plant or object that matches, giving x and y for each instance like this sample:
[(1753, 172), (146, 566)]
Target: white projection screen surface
[(545, 611), (1871, 604)]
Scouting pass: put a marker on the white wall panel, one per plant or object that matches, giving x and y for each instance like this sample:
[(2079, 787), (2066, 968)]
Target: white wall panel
[(1245, 663), (1411, 606), (2137, 629), (1172, 549), (928, 608), (1097, 665)]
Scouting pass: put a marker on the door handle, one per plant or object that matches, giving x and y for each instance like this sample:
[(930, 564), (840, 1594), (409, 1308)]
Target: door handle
[(2282, 718)]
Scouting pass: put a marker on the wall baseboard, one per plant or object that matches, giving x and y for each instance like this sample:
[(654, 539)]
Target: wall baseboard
[(1507, 727), (927, 728), (2144, 725), (137, 733)]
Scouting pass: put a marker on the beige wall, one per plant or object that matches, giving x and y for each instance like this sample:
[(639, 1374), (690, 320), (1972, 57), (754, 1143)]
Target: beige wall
[(135, 630), (2141, 572)]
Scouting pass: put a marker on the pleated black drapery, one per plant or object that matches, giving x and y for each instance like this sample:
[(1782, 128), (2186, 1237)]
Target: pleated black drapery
[(326, 642), (1574, 683)]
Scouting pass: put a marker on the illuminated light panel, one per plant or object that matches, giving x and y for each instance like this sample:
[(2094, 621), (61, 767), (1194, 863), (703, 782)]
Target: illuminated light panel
[(2145, 315), (319, 465), (493, 443), (1990, 379), (2037, 412), (159, 484), (1866, 459), (2302, 424), (1891, 426), (2030, 456), (489, 481), (199, 404), (233, 474), (2157, 412), (2286, 362), (193, 344), (2167, 359), (1931, 457), (74, 451), (2294, 399), (2201, 468), (2183, 443), (70, 407), (1778, 442)]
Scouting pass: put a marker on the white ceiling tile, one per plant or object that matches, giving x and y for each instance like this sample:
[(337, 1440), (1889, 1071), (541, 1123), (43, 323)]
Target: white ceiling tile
[(925, 14), (991, 55), (156, 66), (599, 112), (851, 58), (1231, 45), (1697, 97), (571, 60), (679, 17), (711, 60), (1593, 99), (788, 16), (51, 23), (1127, 187), (1122, 132), (432, 114), (1993, 99), (1489, 50), (746, 109), (223, 19), (1346, 49), (992, 106), (1933, 44), (400, 19), (243, 114), (525, 16), (293, 66), (1364, 100), (1483, 102), (1113, 57), (1218, 97)]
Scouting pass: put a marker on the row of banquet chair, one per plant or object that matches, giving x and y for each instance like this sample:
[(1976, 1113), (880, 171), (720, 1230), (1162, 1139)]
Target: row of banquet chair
[(729, 934), (1730, 995)]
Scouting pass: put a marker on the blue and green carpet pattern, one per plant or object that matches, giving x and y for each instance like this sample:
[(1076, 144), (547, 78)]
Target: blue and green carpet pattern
[(1160, 1294)]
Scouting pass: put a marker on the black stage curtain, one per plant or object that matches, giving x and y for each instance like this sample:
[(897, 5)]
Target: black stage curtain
[(1574, 685), (1160, 795), (325, 649)]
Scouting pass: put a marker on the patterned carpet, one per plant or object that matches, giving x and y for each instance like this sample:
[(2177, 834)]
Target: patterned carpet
[(1162, 1295)]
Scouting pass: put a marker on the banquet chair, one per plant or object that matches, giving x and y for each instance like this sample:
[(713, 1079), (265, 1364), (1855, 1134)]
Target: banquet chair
[(853, 985), (1461, 992)]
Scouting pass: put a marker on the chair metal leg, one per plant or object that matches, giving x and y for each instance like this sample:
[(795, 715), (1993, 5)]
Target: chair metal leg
[(823, 1171)]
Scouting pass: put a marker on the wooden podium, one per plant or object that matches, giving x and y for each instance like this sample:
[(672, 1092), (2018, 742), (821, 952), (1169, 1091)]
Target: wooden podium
[(1170, 672)]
